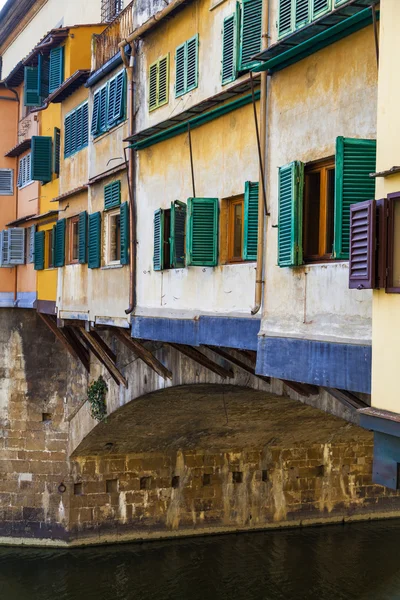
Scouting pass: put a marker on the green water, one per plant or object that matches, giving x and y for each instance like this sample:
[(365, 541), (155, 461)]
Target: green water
[(358, 561)]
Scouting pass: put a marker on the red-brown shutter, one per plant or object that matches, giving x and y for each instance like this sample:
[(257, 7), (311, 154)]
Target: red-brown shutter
[(362, 263), (381, 242)]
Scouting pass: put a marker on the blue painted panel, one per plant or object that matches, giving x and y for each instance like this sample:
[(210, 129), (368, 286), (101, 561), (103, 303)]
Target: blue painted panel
[(231, 332), (343, 366), (26, 299), (380, 424), (386, 458), (178, 331)]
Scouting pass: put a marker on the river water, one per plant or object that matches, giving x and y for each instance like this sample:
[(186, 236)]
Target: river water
[(341, 562)]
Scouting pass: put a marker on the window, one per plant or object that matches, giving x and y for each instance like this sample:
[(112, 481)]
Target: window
[(42, 158), (314, 202), (12, 247), (76, 130), (319, 187), (235, 230), (109, 105), (169, 237), (159, 83), (239, 226), (241, 39), (113, 247), (24, 171), (56, 71), (73, 240), (294, 14), (6, 182), (186, 66), (45, 78), (110, 9)]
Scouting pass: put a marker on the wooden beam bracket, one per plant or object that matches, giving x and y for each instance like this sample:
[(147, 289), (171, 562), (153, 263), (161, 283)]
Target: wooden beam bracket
[(203, 360), (141, 352)]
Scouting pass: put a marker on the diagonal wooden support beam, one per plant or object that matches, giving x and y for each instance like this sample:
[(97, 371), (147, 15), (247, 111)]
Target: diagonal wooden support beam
[(103, 344), (51, 323), (78, 346), (348, 399), (236, 361), (304, 389), (103, 356), (203, 360), (141, 352)]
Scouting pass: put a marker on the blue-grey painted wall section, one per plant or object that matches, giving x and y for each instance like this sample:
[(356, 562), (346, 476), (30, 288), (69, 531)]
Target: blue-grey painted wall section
[(344, 366), (386, 459), (231, 332)]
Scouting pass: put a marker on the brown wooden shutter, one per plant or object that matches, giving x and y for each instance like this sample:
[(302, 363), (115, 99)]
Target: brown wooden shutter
[(362, 263), (381, 243)]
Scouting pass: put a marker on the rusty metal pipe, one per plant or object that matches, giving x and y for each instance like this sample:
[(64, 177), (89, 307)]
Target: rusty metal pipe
[(262, 210), (150, 23), (129, 64)]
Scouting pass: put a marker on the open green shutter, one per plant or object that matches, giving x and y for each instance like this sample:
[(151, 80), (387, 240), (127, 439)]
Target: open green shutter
[(43, 74), (202, 232), (119, 105), (192, 58), (39, 251), (250, 220), (178, 230), (180, 68), (94, 261), (290, 217), (355, 160), (102, 127), (59, 258), (158, 256), (56, 76), (124, 224), (95, 114), (112, 195), (31, 86), (112, 95), (229, 49), (153, 78), (82, 237), (250, 32), (53, 246), (41, 158), (285, 20), (57, 146)]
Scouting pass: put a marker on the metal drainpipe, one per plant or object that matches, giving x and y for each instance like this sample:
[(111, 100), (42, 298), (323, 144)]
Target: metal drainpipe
[(263, 140), (129, 64)]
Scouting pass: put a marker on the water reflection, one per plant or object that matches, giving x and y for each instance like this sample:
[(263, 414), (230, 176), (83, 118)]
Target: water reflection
[(358, 561)]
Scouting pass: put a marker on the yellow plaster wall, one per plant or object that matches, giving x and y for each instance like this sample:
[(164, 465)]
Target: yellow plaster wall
[(78, 48), (47, 279), (386, 307)]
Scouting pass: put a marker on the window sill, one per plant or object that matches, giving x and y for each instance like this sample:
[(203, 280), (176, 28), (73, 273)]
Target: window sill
[(96, 138), (112, 266)]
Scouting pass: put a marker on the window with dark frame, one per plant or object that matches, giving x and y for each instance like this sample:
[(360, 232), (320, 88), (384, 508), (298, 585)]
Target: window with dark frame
[(114, 237), (235, 229), (393, 244), (318, 215), (73, 240), (110, 9)]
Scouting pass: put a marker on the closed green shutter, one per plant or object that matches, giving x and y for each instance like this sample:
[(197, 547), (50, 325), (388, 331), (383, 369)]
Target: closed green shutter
[(250, 32), (41, 158), (302, 12), (102, 126), (56, 76), (31, 86), (53, 246), (355, 160), (57, 146), (76, 130), (82, 237), (124, 224), (119, 103), (180, 68), (153, 77), (158, 256), (284, 17), (163, 80), (250, 220), (112, 195), (319, 7), (39, 251), (59, 257), (290, 214), (95, 114), (178, 231), (94, 240), (44, 74), (229, 49), (202, 232), (192, 53)]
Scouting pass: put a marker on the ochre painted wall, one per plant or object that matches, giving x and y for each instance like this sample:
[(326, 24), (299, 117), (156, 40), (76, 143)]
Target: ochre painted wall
[(386, 307)]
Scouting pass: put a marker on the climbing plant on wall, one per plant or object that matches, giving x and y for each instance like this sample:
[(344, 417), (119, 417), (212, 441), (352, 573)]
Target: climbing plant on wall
[(97, 392)]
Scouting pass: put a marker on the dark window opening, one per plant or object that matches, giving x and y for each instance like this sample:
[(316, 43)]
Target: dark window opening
[(318, 218), (175, 481), (46, 417), (237, 477), (235, 230), (206, 479), (264, 475), (145, 483), (78, 491)]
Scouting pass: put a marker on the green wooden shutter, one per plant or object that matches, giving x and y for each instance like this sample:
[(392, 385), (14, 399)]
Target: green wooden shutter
[(319, 7), (56, 76), (59, 256), (229, 49), (112, 195), (43, 74), (95, 114), (290, 214), (180, 69), (158, 256), (53, 246), (250, 221), (163, 80), (31, 86), (192, 54), (41, 158), (178, 231), (284, 18), (82, 237), (301, 13), (85, 124), (94, 240), (39, 251), (57, 146), (67, 136), (153, 77), (250, 32), (202, 232), (103, 110), (119, 104), (112, 95), (355, 160), (124, 224)]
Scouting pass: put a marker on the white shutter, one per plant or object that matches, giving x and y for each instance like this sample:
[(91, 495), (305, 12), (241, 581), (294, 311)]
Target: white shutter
[(4, 262), (16, 246), (6, 182), (31, 243)]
